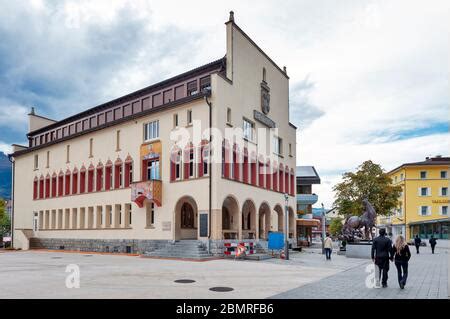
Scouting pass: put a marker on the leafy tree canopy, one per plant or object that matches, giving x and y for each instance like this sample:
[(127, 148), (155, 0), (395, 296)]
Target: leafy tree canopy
[(371, 182)]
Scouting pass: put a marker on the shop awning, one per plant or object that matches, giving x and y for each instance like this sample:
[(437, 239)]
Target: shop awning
[(308, 222), (433, 221)]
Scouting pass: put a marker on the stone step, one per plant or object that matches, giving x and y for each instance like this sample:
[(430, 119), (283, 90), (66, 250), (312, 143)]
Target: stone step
[(181, 249)]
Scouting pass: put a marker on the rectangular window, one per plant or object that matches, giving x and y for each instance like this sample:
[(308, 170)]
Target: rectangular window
[(153, 170), (192, 88), (277, 145), (118, 141), (191, 163), (205, 162), (402, 177), (150, 215), (151, 130), (424, 191), (189, 117), (91, 147), (444, 210), (444, 191), (443, 174), (248, 128), (36, 161), (290, 149), (205, 83), (423, 175), (48, 159), (175, 120), (68, 154), (229, 116), (424, 210)]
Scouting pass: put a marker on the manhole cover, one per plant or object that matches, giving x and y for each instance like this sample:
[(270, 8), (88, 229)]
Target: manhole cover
[(87, 255), (221, 289), (184, 281), (56, 257)]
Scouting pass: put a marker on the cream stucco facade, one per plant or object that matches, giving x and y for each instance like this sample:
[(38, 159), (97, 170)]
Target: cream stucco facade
[(108, 213)]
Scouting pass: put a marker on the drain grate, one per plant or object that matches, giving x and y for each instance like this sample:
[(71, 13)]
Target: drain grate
[(87, 255), (184, 281), (56, 257), (221, 289)]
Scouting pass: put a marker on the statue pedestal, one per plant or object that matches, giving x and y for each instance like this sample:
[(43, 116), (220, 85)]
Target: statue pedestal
[(359, 250)]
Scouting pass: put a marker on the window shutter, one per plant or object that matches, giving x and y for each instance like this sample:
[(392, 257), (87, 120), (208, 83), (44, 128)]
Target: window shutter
[(429, 191)]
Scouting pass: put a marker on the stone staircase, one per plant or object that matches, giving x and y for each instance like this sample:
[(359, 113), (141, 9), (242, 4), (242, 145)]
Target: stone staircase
[(189, 249)]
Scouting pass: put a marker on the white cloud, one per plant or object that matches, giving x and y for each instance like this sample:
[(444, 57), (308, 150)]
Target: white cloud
[(364, 74)]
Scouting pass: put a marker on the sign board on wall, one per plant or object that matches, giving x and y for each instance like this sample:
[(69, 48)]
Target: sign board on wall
[(203, 224)]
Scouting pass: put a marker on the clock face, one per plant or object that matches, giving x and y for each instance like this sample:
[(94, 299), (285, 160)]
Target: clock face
[(265, 101)]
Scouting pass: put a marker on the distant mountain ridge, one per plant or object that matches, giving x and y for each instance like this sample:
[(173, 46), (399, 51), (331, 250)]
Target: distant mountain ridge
[(5, 176)]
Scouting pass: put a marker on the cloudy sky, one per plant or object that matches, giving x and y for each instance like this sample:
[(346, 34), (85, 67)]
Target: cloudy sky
[(369, 79)]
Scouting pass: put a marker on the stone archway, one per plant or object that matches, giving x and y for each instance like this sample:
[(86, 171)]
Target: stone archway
[(278, 219), (186, 215), (230, 218), (264, 221), (248, 220)]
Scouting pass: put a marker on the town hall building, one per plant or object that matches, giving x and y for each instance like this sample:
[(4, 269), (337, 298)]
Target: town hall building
[(160, 164)]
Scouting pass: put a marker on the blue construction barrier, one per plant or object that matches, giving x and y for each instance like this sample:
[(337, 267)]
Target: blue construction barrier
[(276, 240)]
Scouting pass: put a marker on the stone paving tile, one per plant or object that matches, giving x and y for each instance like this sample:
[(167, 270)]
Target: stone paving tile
[(427, 279)]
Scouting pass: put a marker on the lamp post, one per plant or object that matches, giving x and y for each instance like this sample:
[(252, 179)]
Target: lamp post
[(323, 229), (286, 227)]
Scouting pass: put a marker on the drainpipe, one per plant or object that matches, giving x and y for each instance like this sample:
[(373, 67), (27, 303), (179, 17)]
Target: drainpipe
[(209, 170), (10, 158)]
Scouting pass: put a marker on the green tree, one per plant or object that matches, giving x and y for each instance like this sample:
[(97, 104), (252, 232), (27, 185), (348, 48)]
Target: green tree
[(5, 223), (336, 226), (371, 182)]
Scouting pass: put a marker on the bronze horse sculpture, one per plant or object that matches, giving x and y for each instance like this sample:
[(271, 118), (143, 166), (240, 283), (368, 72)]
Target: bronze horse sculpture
[(352, 229)]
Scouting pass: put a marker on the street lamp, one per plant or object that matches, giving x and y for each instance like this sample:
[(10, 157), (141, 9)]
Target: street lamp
[(286, 227)]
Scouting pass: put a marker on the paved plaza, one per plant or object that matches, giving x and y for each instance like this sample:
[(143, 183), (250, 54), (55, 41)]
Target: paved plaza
[(42, 274)]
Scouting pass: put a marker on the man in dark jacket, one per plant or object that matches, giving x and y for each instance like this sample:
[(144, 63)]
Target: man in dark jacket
[(381, 253), (432, 242), (417, 242)]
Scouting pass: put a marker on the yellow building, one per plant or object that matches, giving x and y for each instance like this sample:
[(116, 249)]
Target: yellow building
[(423, 203)]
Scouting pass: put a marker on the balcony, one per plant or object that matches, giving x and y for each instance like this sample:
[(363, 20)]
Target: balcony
[(307, 199), (146, 190)]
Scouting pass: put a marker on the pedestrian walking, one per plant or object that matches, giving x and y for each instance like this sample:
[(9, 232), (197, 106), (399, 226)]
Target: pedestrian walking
[(432, 242), (381, 254), (417, 242), (401, 259), (328, 245)]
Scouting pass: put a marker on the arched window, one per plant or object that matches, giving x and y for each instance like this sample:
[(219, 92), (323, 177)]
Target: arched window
[(204, 159), (90, 186), (41, 187), (286, 180), (35, 188), (236, 163), (261, 172), (281, 179), (99, 177), (292, 192), (268, 175), (187, 216), (61, 184), (47, 186), (82, 179), (275, 177), (245, 167), (67, 183), (225, 159), (175, 164), (253, 168), (54, 181), (75, 181), (118, 173), (189, 162), (108, 175), (128, 171)]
